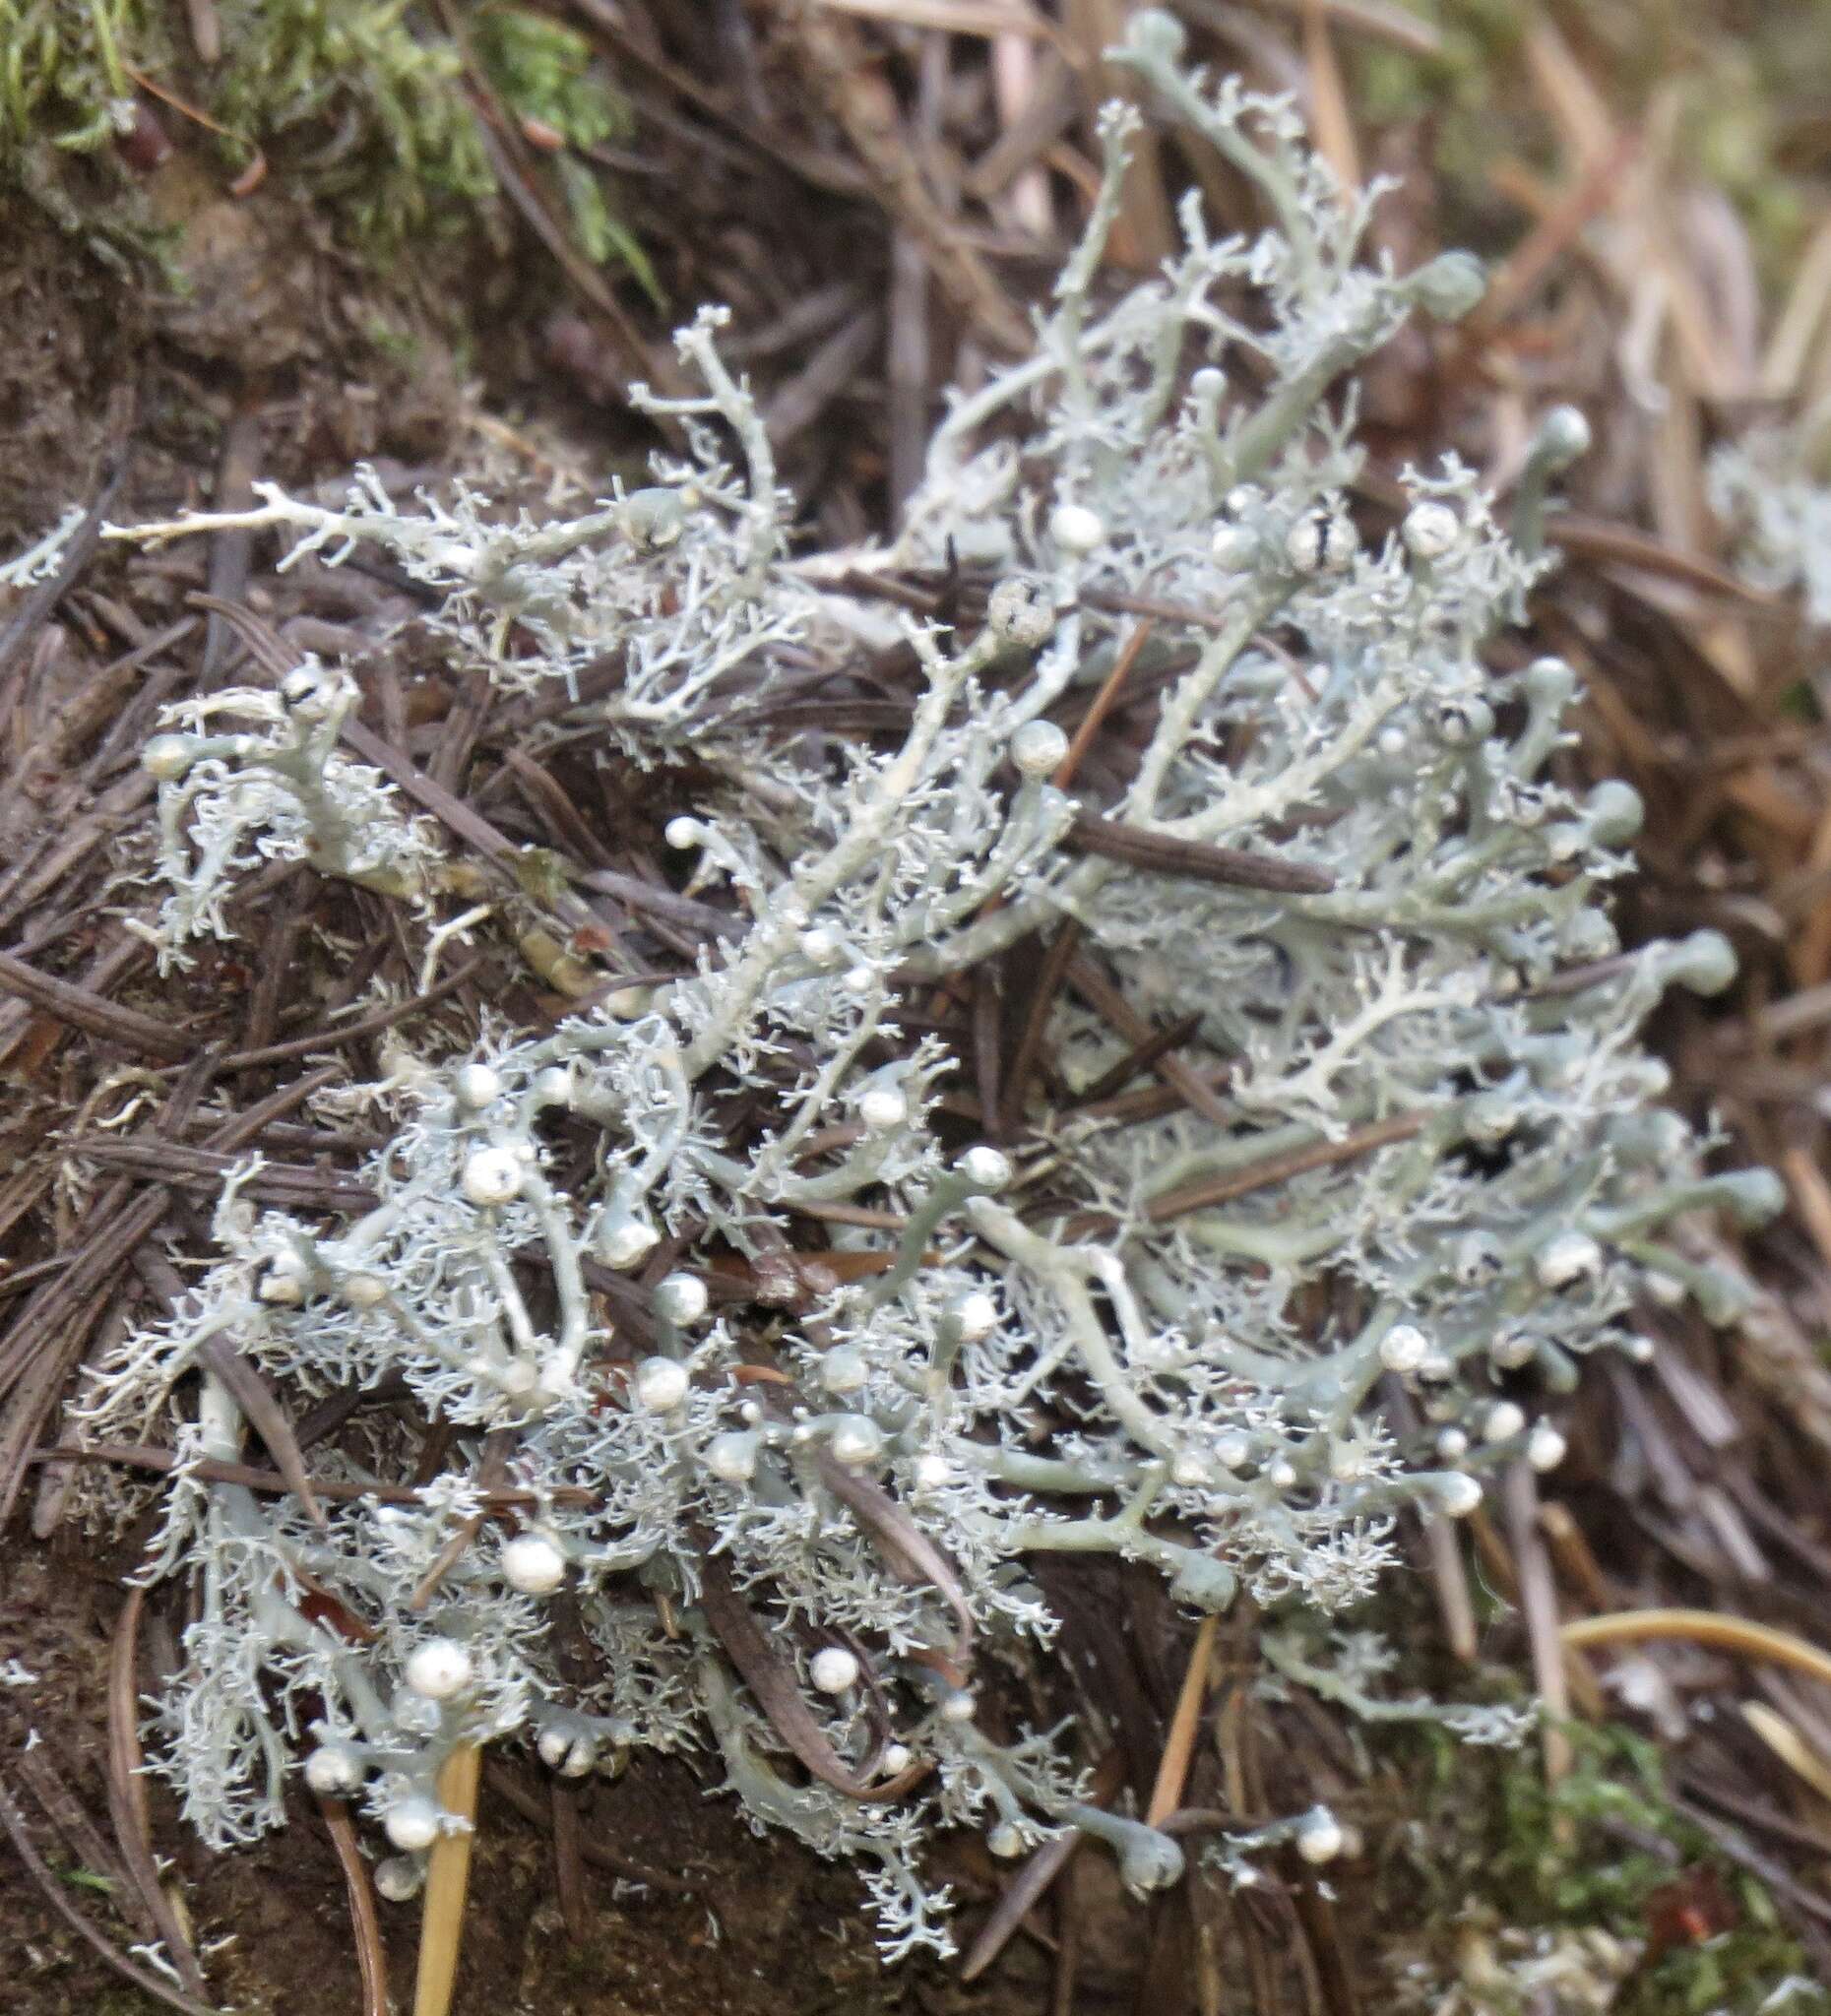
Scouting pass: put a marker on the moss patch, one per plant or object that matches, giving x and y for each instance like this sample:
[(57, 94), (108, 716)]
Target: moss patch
[(376, 113)]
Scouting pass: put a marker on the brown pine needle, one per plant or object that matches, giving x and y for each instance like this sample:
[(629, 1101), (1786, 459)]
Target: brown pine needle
[(448, 1877), (1209, 1192), (1122, 664), (1030, 1884), (370, 1962)]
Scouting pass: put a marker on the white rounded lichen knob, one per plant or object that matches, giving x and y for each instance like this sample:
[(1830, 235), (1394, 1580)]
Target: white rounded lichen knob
[(309, 692), (655, 517), (1322, 541), (1320, 1837), (732, 1457), (1457, 1493), (1157, 34), (518, 1379), (533, 1564), (1429, 529), (331, 1770), (1404, 1347), (1347, 1461), (1037, 750), (856, 1441), (398, 1877), (622, 1242), (882, 1108), (1232, 546), (987, 1170), (477, 1086), (833, 1670), (165, 758), (1546, 1447), (1076, 528), (976, 1316), (1563, 435), (845, 1369), (364, 1291), (568, 1748), (439, 1669), (932, 1472), (820, 946), (1502, 1421), (284, 1278), (1020, 611), (492, 1175), (661, 1384), (413, 1824), (681, 1298), (1566, 1258)]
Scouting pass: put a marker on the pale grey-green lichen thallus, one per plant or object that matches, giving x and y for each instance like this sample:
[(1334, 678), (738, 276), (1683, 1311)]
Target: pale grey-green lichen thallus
[(1474, 1162)]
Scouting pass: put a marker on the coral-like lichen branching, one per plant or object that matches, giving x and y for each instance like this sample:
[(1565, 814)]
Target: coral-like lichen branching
[(788, 1497)]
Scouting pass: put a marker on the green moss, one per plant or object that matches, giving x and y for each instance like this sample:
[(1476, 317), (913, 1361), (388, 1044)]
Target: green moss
[(369, 110), (1601, 1853)]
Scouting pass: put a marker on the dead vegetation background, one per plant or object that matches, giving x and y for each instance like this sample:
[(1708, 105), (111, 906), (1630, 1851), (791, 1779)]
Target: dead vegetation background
[(878, 187)]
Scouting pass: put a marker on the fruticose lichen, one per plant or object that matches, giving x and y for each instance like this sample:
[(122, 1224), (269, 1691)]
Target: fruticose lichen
[(754, 1334)]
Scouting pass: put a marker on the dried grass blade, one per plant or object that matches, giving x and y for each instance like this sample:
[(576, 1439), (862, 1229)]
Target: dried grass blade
[(1109, 1001), (1280, 1169), (1330, 118), (1789, 1745), (1570, 94), (67, 1002), (1055, 962), (1172, 1771), (569, 1862), (82, 1837), (1124, 659), (448, 1879), (1708, 1627), (1539, 1607), (1787, 348), (990, 19)]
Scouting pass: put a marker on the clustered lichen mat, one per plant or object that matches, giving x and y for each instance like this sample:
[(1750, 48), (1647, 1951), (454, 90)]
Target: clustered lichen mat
[(796, 1529)]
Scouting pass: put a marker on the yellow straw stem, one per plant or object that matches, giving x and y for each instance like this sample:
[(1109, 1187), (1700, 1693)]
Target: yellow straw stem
[(1705, 1627), (448, 1877), (1172, 1771), (1787, 1743)]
